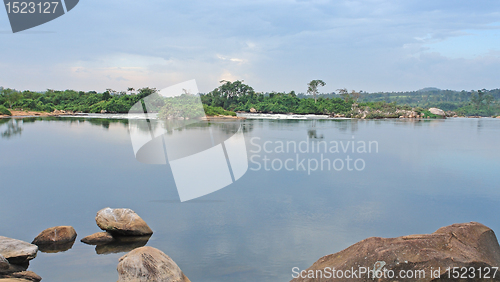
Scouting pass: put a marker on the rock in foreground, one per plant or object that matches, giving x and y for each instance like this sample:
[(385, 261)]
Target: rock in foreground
[(147, 264), (17, 251), (124, 222), (470, 245), (98, 238), (56, 235)]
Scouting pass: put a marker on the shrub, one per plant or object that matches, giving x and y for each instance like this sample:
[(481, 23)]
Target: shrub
[(217, 111), (4, 111)]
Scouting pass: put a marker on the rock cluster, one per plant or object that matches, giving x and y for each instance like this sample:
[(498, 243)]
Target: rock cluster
[(14, 260), (124, 231)]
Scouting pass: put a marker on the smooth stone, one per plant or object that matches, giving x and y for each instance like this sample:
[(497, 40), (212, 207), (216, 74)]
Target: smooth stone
[(124, 222), (458, 245), (98, 238), (58, 234), (147, 264), (17, 251)]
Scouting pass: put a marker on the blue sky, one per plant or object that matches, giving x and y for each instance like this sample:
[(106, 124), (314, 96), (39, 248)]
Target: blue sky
[(273, 45)]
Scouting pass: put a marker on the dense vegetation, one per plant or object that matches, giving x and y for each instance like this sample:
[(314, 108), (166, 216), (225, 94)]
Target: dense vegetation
[(235, 96), (70, 100), (4, 111)]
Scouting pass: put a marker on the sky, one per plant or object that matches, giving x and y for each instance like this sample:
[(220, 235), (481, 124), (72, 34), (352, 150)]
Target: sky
[(273, 45)]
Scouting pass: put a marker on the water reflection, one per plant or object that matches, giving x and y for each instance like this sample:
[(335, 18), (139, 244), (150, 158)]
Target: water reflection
[(13, 127), (55, 247), (122, 245)]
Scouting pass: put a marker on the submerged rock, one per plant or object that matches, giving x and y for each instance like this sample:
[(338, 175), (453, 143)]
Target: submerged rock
[(17, 251), (98, 238), (147, 264), (124, 222), (470, 245), (58, 234)]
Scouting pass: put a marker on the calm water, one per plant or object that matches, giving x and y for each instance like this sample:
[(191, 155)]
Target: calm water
[(425, 175)]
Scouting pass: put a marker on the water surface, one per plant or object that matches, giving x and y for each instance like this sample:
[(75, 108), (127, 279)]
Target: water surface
[(425, 175)]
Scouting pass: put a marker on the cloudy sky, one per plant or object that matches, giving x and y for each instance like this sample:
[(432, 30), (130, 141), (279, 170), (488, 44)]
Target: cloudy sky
[(273, 45)]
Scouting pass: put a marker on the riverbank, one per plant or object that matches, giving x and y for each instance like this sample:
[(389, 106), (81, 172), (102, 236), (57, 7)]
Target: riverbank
[(16, 113)]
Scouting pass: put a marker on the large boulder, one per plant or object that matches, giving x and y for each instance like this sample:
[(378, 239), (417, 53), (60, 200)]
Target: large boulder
[(124, 222), (17, 251), (56, 235), (147, 264), (470, 245), (98, 238), (437, 111)]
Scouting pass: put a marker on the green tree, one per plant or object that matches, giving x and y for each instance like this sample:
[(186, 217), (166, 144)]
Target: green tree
[(312, 87)]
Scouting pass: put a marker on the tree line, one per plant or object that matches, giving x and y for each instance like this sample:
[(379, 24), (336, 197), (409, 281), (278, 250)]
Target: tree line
[(236, 96)]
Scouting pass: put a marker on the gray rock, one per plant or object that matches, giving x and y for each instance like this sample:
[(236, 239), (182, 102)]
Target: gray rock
[(124, 222), (17, 251), (437, 111), (147, 264)]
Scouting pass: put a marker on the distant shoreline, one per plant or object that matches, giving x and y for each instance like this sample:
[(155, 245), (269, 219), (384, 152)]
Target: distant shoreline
[(29, 114)]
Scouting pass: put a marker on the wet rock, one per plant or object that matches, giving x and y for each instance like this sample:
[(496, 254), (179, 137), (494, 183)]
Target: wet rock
[(17, 251), (458, 245), (55, 239), (124, 222), (21, 276), (4, 263), (58, 234), (98, 238), (437, 111), (148, 264), (122, 245)]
